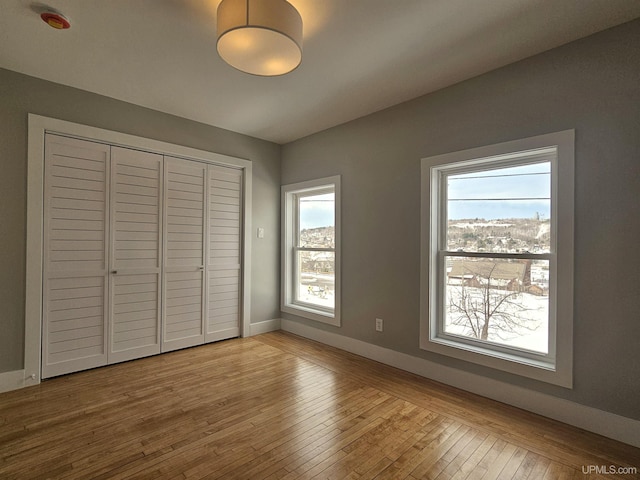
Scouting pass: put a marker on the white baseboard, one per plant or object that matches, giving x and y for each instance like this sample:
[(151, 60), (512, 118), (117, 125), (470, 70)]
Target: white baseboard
[(265, 326), (608, 424), (12, 380)]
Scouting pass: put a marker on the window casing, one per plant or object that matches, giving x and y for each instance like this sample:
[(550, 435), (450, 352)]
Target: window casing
[(311, 250), (497, 256)]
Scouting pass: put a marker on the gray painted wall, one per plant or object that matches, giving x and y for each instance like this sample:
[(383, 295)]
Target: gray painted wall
[(20, 95), (591, 85)]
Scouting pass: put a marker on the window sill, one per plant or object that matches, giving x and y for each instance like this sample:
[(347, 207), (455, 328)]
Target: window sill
[(536, 369), (312, 314)]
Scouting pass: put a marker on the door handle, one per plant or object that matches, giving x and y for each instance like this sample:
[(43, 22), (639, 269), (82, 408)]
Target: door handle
[(114, 272)]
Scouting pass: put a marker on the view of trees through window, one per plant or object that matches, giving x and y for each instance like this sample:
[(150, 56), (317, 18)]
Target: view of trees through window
[(499, 293)]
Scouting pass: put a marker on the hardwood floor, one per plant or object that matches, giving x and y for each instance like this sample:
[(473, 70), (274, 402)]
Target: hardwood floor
[(277, 406)]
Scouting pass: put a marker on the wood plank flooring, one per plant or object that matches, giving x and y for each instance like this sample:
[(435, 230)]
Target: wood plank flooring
[(277, 406)]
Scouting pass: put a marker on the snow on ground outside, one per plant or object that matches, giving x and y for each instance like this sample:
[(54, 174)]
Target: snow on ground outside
[(532, 307)]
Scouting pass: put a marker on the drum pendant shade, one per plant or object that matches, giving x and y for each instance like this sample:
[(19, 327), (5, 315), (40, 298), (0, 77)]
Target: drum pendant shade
[(260, 37)]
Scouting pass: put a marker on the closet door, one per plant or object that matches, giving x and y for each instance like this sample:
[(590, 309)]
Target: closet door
[(224, 253), (76, 232), (136, 254), (184, 259)]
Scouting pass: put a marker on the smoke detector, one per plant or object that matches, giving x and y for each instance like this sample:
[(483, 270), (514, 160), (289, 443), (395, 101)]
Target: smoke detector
[(55, 19)]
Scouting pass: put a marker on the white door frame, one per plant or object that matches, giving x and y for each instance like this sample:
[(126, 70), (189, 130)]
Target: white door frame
[(38, 126)]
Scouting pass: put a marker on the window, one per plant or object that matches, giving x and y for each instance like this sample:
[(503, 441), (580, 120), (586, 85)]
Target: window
[(311, 250), (497, 263)]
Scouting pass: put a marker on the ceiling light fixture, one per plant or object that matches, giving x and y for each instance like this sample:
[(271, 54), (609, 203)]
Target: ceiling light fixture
[(260, 37)]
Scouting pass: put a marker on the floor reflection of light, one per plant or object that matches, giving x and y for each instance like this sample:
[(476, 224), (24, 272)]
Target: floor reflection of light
[(314, 399)]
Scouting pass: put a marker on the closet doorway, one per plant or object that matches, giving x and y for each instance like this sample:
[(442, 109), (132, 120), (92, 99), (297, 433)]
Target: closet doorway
[(143, 251)]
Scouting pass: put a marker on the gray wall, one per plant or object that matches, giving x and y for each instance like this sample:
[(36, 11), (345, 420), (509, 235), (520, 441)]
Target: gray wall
[(20, 95), (592, 86)]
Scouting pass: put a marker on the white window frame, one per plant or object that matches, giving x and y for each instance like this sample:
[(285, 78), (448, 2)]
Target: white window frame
[(556, 367), (289, 212)]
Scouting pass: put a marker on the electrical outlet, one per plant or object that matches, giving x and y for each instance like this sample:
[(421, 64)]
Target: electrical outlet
[(378, 324), (260, 232)]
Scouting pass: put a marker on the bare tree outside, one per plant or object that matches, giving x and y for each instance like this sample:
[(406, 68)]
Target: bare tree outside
[(485, 304)]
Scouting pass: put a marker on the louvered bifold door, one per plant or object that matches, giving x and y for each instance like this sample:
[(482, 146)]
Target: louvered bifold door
[(184, 237), (76, 194), (136, 254), (224, 253)]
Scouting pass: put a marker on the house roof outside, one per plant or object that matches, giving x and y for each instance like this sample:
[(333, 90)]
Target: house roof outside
[(498, 270)]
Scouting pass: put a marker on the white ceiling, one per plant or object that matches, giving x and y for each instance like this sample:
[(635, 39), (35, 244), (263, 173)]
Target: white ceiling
[(359, 56)]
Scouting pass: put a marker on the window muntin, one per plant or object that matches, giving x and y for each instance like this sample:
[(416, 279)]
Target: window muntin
[(473, 261), (311, 250)]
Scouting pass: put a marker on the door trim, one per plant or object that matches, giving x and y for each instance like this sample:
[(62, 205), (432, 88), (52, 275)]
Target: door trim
[(38, 126)]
